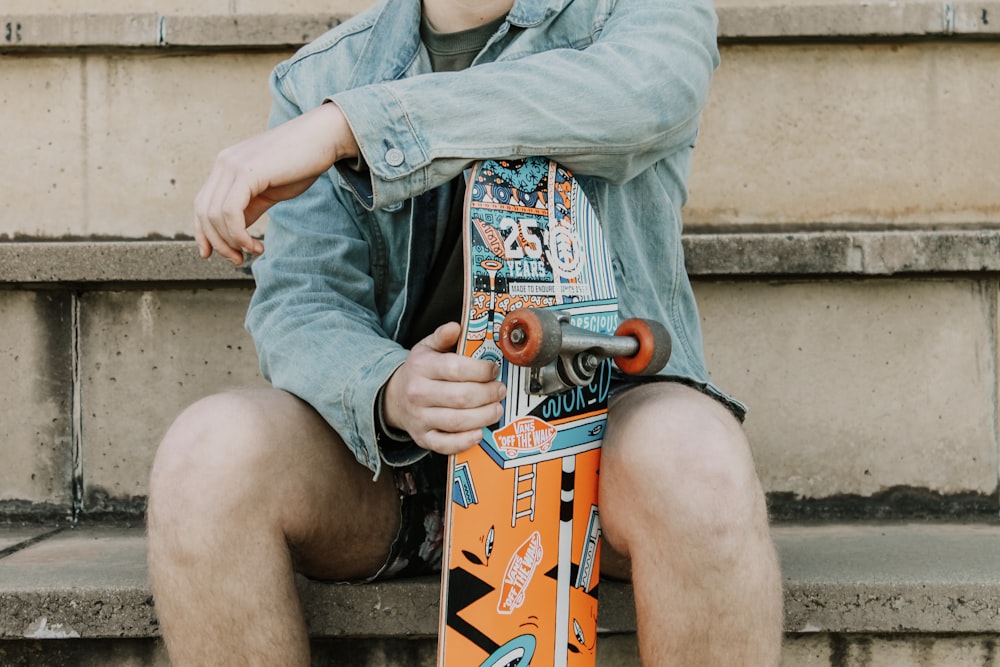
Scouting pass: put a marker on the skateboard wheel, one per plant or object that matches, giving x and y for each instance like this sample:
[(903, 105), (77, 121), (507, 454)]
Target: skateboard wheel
[(654, 347), (530, 337)]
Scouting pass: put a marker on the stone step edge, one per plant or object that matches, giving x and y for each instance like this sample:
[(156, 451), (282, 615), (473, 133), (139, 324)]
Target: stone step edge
[(768, 21), (846, 578), (736, 256)]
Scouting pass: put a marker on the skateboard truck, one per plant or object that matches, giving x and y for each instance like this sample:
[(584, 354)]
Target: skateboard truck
[(562, 356)]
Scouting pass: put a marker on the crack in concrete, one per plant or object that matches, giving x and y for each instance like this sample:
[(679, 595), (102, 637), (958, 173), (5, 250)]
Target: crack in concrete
[(31, 541), (76, 425)]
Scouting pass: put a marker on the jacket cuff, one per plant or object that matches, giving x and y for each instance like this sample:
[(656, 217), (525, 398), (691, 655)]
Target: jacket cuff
[(395, 448), (397, 161)]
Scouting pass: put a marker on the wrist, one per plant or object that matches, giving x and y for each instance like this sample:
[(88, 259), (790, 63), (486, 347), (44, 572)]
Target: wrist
[(344, 144), (388, 426)]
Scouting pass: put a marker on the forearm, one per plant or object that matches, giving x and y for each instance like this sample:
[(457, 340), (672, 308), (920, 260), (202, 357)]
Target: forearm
[(312, 342), (319, 329)]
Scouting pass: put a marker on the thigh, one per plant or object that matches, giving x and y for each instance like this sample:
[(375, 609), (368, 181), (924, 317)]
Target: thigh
[(265, 460)]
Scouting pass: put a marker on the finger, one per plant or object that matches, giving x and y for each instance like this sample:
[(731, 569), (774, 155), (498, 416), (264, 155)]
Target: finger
[(201, 202), (228, 210), (258, 246), (208, 216), (234, 222), (204, 246), (228, 195), (455, 367), (465, 395), (218, 184), (221, 246), (448, 420), (450, 443), (418, 391), (444, 338), (450, 367), (205, 203)]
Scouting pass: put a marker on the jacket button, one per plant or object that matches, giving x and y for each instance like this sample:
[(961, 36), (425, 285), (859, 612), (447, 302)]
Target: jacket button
[(394, 157)]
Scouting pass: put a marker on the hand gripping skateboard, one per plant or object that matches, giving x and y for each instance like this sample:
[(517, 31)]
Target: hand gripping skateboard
[(521, 561)]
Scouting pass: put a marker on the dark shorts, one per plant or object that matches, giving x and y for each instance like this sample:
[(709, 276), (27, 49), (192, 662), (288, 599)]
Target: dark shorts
[(422, 497), (423, 494)]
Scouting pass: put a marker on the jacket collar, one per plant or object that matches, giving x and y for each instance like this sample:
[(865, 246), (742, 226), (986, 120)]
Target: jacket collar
[(530, 13), (394, 41)]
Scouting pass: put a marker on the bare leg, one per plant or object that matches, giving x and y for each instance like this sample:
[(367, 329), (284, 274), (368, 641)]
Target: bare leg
[(681, 501), (246, 488)]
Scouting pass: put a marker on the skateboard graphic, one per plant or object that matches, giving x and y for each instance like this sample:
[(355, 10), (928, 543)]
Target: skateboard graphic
[(520, 569)]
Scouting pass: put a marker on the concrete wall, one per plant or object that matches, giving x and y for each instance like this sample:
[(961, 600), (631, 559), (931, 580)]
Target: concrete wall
[(856, 387), (890, 131)]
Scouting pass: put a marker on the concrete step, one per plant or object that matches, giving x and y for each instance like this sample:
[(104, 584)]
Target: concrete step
[(869, 361), (855, 594), (827, 112)]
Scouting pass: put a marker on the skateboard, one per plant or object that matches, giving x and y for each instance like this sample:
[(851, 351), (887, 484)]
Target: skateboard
[(521, 559)]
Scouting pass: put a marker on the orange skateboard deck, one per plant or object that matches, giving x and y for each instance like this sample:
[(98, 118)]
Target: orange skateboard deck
[(521, 559)]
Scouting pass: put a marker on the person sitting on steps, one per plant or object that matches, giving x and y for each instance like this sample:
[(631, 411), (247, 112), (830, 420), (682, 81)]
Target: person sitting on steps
[(337, 471)]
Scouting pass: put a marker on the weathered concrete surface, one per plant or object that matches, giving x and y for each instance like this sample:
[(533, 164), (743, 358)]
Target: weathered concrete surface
[(171, 8), (36, 362), (875, 253), (77, 584), (154, 24), (140, 182), (43, 173), (33, 30), (118, 262), (889, 578), (850, 134), (145, 356), (14, 537), (737, 255), (109, 31), (13, 9), (899, 650), (84, 653), (796, 134), (897, 578), (253, 30), (85, 167), (858, 387), (842, 19)]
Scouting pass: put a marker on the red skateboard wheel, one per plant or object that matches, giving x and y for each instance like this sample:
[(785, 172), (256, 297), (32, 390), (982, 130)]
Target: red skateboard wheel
[(654, 347), (530, 337)]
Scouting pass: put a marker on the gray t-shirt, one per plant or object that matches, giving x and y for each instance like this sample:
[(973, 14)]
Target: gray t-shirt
[(441, 301)]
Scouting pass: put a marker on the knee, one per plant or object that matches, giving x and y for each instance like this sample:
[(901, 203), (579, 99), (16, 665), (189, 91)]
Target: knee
[(209, 452), (675, 458)]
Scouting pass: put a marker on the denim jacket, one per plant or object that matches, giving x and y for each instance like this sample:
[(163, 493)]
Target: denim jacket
[(613, 89)]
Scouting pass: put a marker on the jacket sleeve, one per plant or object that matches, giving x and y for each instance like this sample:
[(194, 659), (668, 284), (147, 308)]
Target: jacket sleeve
[(314, 316), (609, 108)]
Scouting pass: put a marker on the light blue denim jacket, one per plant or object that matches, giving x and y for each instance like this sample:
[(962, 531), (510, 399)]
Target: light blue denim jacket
[(613, 89)]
